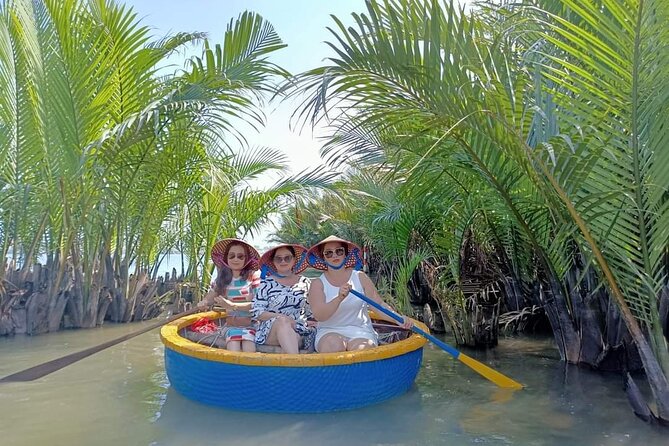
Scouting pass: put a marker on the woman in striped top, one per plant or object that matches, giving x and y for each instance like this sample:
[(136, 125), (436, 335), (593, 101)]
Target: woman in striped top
[(233, 289)]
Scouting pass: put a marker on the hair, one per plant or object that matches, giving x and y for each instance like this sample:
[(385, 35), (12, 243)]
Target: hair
[(289, 248), (224, 276)]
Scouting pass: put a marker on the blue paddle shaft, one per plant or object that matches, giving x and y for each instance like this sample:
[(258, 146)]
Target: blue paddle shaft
[(447, 348)]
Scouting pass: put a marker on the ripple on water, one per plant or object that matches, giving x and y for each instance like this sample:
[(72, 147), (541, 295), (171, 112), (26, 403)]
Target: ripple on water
[(121, 396)]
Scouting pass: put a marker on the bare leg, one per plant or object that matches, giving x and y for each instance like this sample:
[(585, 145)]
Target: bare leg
[(233, 346), (359, 344), (282, 334), (248, 346), (331, 342)]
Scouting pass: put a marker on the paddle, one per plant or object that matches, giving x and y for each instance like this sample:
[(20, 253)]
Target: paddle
[(480, 368), (54, 365)]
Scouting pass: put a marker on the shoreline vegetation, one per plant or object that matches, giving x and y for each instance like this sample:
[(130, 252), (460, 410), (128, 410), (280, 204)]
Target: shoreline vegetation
[(27, 310), (505, 167)]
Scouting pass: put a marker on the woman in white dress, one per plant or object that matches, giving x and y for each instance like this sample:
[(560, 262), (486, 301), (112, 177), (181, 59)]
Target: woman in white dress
[(343, 321)]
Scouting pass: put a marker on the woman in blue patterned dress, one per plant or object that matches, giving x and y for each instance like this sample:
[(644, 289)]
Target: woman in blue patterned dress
[(280, 305), (233, 289)]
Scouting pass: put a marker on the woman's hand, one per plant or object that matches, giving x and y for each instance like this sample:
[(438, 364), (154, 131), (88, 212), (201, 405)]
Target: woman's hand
[(344, 290), (223, 302), (407, 323), (203, 304)]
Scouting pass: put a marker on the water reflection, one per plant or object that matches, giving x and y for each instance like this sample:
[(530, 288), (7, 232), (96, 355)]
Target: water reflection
[(387, 423), (560, 405)]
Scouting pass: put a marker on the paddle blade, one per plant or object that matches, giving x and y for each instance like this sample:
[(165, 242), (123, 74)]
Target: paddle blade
[(488, 373), (481, 369)]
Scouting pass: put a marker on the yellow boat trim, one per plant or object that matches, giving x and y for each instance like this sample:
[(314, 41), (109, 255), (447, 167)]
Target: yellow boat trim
[(169, 334)]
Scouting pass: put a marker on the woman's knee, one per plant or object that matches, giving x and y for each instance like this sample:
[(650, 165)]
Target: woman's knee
[(279, 327), (233, 346), (360, 344), (331, 343), (282, 324)]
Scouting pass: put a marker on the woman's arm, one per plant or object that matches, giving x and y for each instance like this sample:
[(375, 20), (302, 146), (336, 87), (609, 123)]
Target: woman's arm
[(267, 315), (305, 309), (211, 298), (372, 293), (238, 306), (322, 310), (208, 299), (254, 283)]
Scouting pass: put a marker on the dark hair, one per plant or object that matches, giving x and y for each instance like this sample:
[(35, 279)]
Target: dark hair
[(289, 248), (224, 276)]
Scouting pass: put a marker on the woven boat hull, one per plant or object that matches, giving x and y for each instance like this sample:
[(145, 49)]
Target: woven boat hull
[(291, 389), (310, 383)]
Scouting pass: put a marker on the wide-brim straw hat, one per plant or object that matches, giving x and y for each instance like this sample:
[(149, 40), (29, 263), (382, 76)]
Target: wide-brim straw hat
[(353, 257), (268, 267), (220, 249)]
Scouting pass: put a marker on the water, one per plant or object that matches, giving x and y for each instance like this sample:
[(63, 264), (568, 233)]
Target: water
[(121, 396)]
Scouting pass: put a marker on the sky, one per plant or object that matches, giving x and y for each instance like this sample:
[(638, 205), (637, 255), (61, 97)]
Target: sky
[(301, 24)]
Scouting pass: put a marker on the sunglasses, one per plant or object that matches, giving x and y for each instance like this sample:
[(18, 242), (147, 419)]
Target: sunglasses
[(338, 252), (240, 256), (287, 259)]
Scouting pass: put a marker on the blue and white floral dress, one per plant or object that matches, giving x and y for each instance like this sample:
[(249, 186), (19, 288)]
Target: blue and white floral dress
[(276, 298)]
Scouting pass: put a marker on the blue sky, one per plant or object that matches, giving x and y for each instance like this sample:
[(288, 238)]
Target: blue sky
[(301, 24)]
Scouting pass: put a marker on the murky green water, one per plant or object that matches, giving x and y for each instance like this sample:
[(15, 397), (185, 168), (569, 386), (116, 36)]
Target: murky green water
[(121, 396)]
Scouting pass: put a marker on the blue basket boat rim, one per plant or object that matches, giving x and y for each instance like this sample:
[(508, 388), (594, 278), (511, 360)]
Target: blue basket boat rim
[(169, 335)]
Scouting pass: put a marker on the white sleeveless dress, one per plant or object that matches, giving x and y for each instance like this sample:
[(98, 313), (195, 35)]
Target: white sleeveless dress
[(351, 319)]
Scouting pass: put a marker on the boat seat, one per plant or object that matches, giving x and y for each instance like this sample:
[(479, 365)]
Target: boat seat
[(216, 340), (275, 349), (388, 333)]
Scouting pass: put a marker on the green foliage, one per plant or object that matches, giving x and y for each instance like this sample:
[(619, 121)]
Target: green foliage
[(107, 163), (538, 126)]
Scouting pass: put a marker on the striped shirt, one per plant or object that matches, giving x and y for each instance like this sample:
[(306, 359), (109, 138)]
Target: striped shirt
[(240, 290)]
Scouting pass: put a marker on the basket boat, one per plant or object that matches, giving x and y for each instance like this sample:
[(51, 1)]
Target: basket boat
[(296, 383)]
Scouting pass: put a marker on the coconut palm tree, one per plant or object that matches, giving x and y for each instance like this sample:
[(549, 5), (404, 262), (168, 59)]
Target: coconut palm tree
[(562, 122), (103, 152)]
